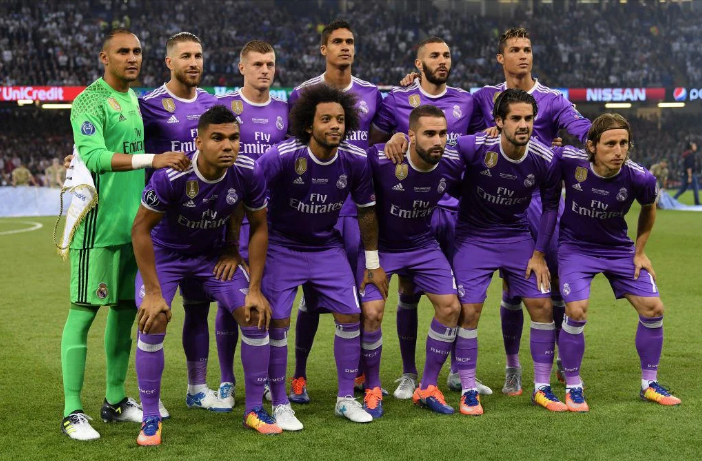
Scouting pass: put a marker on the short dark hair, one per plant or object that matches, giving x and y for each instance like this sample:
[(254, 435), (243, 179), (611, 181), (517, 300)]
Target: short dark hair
[(303, 111), (515, 32), (114, 32), (510, 96), (427, 41), (181, 37), (332, 26), (606, 122), (257, 46), (425, 110), (216, 115)]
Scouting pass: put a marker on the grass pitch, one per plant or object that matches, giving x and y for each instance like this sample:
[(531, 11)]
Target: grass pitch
[(34, 304)]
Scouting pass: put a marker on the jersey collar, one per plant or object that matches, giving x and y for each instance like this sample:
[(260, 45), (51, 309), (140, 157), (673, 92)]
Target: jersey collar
[(200, 176)]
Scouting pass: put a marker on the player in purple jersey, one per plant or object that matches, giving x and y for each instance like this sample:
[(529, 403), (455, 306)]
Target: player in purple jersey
[(338, 46), (309, 177), (179, 234), (492, 233), (601, 183), (407, 195), (171, 113), (263, 121)]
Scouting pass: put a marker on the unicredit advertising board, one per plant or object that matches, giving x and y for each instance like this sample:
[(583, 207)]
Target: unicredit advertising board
[(40, 93)]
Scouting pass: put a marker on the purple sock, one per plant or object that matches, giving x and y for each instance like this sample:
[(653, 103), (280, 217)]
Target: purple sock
[(649, 345), (467, 356), (255, 356), (278, 364), (440, 341), (371, 350), (407, 331), (558, 314), (227, 335), (149, 369), (542, 341), (571, 348), (196, 341), (347, 352), (305, 330), (512, 323)]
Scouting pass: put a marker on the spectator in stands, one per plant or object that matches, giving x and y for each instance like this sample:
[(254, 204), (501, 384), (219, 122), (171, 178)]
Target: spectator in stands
[(689, 173)]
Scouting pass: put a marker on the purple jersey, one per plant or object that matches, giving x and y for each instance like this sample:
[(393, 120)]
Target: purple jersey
[(406, 197), (593, 219), (497, 190), (554, 112), (261, 125), (306, 194), (197, 209), (170, 122)]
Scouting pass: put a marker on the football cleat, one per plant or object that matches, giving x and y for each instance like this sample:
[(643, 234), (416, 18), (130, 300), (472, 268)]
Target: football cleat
[(405, 390), (285, 418), (433, 399), (373, 402), (162, 411), (513, 381), (359, 383), (482, 388), (453, 381), (127, 410), (659, 394), (150, 433), (77, 427), (227, 394), (267, 391), (298, 391), (544, 397), (575, 400), (260, 421), (470, 403), (560, 371), (207, 400), (350, 409)]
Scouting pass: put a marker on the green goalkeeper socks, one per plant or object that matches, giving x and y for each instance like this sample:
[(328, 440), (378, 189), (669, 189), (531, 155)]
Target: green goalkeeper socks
[(118, 345), (74, 349)]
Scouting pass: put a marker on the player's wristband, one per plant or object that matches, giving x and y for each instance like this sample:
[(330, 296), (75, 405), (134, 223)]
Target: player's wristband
[(372, 260), (141, 161)]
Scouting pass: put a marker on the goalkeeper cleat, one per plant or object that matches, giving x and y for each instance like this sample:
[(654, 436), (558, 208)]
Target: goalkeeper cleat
[(150, 433), (575, 400), (433, 399), (260, 421), (544, 397), (659, 394), (127, 410), (77, 426)]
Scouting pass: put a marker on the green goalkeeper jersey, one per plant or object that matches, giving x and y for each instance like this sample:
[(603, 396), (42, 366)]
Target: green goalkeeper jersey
[(106, 121)]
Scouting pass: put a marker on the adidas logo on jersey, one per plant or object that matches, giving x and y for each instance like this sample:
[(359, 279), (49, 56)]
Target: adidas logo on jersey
[(486, 173), (122, 118), (189, 204), (298, 180), (173, 119), (577, 187), (399, 187)]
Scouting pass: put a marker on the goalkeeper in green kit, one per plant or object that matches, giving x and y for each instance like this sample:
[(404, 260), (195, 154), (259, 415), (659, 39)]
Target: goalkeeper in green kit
[(109, 136)]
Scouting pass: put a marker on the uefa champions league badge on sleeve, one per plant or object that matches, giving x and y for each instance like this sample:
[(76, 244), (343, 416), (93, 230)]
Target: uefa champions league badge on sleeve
[(87, 128)]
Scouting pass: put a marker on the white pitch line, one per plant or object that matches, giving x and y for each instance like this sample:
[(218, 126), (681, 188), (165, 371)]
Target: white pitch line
[(34, 226)]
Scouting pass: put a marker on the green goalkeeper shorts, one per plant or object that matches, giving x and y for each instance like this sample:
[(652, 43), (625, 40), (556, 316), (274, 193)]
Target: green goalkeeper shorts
[(103, 276)]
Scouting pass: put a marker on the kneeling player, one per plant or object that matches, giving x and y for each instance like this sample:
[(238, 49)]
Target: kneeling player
[(190, 245), (601, 184), (407, 194)]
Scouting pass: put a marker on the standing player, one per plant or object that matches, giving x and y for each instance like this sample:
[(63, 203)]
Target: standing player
[(109, 134), (338, 46), (171, 113), (601, 184), (407, 194), (179, 234), (492, 233), (434, 65), (309, 178)]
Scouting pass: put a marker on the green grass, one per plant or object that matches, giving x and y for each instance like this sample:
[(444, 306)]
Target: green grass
[(33, 308)]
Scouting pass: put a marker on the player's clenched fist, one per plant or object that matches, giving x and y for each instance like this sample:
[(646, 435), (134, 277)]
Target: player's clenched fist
[(176, 160)]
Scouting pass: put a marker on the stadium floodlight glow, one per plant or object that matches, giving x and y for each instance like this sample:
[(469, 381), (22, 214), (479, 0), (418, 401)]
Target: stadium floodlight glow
[(24, 102), (665, 105), (618, 105), (56, 106)]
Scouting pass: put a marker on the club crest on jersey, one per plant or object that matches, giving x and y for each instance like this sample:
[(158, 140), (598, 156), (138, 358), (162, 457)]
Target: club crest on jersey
[(237, 107), (414, 100), (580, 174), (623, 194), (442, 186), (279, 123), (168, 104), (114, 104), (342, 182), (232, 197), (363, 107), (491, 158), (101, 291), (529, 181), (401, 171), (300, 165), (192, 188), (457, 112)]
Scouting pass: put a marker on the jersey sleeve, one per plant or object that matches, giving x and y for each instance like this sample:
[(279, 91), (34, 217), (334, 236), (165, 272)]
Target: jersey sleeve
[(270, 164), (477, 119), (385, 117), (158, 193), (570, 119), (88, 121), (362, 191), (465, 147), (294, 96), (647, 190), (256, 198)]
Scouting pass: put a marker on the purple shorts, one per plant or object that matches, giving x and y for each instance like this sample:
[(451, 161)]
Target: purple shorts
[(475, 261), (327, 273), (427, 267), (174, 269), (578, 270), (443, 226)]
